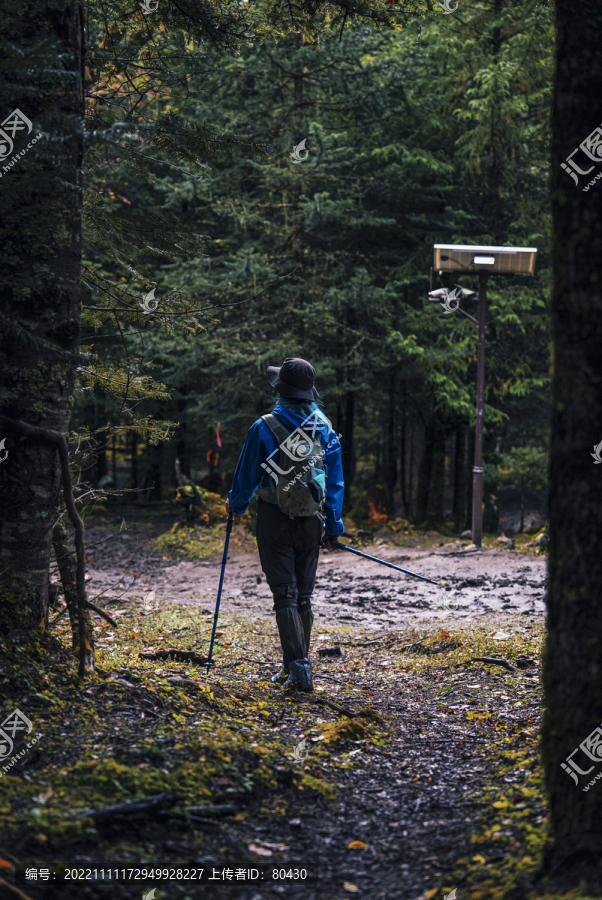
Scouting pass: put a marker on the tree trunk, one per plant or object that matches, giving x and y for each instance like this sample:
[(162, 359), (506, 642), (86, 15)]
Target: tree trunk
[(40, 240), (67, 565), (114, 461), (411, 471), (522, 510), (391, 448), (572, 657), (459, 510), (402, 473), (437, 485), (468, 477), (155, 455), (347, 446), (134, 463), (424, 474), (297, 238)]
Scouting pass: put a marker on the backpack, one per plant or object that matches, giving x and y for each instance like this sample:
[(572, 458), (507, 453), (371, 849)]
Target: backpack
[(299, 480)]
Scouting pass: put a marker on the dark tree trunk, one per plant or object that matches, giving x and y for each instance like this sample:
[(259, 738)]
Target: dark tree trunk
[(40, 240), (437, 485), (134, 463), (101, 461), (297, 238), (459, 510), (402, 473), (411, 470), (424, 474), (114, 460), (347, 446), (468, 477), (572, 670), (67, 565), (155, 453), (391, 448)]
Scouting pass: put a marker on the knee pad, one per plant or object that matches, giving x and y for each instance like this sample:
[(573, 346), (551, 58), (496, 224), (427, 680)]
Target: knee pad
[(285, 596)]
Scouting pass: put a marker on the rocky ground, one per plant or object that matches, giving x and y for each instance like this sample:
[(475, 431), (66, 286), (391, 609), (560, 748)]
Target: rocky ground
[(410, 771)]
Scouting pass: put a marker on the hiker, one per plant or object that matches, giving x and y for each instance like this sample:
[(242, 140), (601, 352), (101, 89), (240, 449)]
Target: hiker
[(292, 458)]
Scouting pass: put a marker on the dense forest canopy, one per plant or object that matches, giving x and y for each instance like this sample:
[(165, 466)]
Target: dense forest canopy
[(434, 132)]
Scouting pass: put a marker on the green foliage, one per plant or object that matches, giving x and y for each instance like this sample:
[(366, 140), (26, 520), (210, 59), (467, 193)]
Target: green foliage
[(254, 257), (524, 467)]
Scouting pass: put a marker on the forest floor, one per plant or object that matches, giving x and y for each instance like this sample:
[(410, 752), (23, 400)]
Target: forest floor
[(410, 771)]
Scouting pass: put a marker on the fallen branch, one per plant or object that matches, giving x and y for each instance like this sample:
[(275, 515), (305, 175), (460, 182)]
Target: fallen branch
[(415, 644), (8, 888), (218, 809), (320, 701), (142, 808), (491, 661), (100, 612), (366, 644)]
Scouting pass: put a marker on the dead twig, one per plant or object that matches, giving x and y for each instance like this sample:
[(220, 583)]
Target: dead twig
[(100, 612), (415, 644), (320, 701), (6, 887), (491, 661)]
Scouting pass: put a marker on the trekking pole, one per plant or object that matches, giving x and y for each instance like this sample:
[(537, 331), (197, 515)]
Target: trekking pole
[(382, 562), (221, 584)]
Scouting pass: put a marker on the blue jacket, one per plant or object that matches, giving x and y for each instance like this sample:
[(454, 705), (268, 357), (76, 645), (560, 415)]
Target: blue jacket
[(260, 443)]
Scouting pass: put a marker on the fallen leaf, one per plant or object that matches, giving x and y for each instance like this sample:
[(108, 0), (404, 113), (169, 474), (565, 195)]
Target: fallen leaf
[(501, 804), (479, 858), (443, 634), (352, 888), (89, 559), (261, 851), (357, 845), (166, 557), (5, 864)]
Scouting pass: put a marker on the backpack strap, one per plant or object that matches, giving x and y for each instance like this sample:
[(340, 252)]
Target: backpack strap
[(276, 427)]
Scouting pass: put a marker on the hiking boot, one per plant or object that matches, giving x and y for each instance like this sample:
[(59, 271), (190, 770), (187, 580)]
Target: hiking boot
[(300, 675), (281, 677)]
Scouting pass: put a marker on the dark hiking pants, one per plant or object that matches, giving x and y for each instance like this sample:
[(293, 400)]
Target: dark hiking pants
[(288, 550)]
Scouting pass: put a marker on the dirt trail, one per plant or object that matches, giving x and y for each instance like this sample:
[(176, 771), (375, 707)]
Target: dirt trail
[(349, 589), (416, 804)]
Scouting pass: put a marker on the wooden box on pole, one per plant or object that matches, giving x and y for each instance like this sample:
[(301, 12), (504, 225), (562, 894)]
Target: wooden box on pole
[(469, 259)]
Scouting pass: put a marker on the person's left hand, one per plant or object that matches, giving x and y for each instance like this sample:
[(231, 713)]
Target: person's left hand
[(330, 543), (228, 505)]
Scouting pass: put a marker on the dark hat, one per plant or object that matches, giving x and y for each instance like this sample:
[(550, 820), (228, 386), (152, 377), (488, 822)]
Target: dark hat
[(294, 379)]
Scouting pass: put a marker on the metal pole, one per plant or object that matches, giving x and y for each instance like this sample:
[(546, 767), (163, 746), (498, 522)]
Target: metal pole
[(477, 472), (221, 584), (383, 562)]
